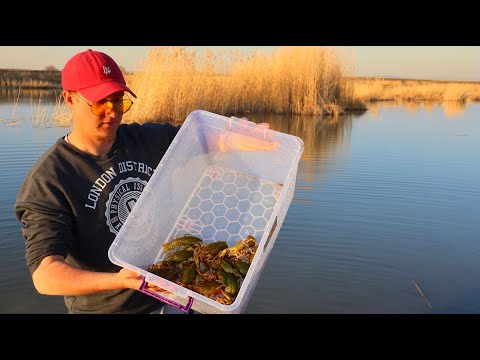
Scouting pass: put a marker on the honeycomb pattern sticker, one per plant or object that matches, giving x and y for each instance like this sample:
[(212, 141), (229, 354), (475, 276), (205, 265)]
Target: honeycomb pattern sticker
[(228, 205)]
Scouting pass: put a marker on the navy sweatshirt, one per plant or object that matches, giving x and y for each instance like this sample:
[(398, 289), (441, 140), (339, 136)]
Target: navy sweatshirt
[(73, 204)]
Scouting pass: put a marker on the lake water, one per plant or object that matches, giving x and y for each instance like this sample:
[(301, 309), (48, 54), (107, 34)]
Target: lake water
[(386, 208)]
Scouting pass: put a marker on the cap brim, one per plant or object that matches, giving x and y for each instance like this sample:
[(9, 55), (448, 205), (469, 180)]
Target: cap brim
[(101, 91)]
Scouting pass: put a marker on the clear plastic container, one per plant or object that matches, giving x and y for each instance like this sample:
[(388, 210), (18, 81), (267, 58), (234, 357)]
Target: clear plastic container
[(217, 196)]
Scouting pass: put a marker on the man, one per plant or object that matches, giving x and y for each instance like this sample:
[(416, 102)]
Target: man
[(66, 196)]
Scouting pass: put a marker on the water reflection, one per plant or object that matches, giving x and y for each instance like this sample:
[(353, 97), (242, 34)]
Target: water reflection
[(450, 108), (9, 95), (455, 108), (323, 137), (378, 203), (43, 108)]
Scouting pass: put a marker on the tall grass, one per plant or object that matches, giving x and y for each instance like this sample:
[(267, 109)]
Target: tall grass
[(405, 90), (39, 112), (61, 115), (171, 82), (30, 79), (174, 81), (12, 121), (25, 83)]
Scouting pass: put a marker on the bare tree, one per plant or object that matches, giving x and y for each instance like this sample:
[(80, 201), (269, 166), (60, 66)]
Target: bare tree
[(50, 68)]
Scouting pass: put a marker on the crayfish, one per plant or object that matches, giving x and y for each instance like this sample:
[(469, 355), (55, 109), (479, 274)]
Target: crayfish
[(213, 269)]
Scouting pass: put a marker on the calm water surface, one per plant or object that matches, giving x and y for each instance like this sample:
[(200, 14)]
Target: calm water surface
[(384, 201)]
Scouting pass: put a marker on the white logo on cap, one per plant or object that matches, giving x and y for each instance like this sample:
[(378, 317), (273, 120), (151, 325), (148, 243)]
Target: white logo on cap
[(106, 70)]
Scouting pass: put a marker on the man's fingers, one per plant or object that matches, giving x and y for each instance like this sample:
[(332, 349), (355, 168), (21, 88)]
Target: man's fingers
[(264, 124), (262, 139), (262, 128), (246, 143), (156, 288)]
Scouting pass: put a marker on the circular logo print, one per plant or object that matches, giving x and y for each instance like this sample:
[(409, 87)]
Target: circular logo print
[(121, 201)]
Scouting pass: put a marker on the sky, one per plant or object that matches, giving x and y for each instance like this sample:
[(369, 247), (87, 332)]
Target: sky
[(413, 62)]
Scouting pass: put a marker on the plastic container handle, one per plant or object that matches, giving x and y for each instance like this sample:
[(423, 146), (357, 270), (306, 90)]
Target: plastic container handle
[(259, 130), (184, 308)]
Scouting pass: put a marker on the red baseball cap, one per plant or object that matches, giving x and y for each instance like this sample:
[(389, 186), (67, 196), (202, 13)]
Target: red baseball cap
[(93, 74)]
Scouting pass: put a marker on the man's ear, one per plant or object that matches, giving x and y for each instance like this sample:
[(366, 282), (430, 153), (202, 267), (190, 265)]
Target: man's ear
[(68, 98)]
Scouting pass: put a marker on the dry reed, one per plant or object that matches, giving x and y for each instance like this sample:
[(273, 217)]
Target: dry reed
[(39, 113), (173, 81), (422, 294), (11, 121), (27, 83), (61, 115), (15, 104), (366, 89)]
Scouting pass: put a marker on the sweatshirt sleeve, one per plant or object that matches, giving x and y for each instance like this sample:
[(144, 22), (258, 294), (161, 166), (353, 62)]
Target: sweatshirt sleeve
[(161, 134), (47, 224)]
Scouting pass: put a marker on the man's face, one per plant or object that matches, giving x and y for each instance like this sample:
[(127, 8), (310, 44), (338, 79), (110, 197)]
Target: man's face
[(98, 120)]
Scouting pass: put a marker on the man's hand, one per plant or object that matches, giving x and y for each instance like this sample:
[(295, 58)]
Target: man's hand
[(134, 280), (230, 141)]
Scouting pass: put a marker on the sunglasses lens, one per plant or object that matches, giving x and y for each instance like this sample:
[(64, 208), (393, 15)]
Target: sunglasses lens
[(100, 108), (123, 106), (104, 107)]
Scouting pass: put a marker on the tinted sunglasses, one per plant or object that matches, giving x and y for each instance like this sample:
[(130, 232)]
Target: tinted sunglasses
[(104, 107)]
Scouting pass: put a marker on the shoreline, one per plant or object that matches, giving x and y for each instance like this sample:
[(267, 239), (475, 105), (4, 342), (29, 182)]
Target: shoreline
[(52, 79), (366, 91), (30, 79)]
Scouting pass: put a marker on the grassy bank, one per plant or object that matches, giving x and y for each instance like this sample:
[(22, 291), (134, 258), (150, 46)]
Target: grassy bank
[(173, 81), (406, 90), (30, 79)]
